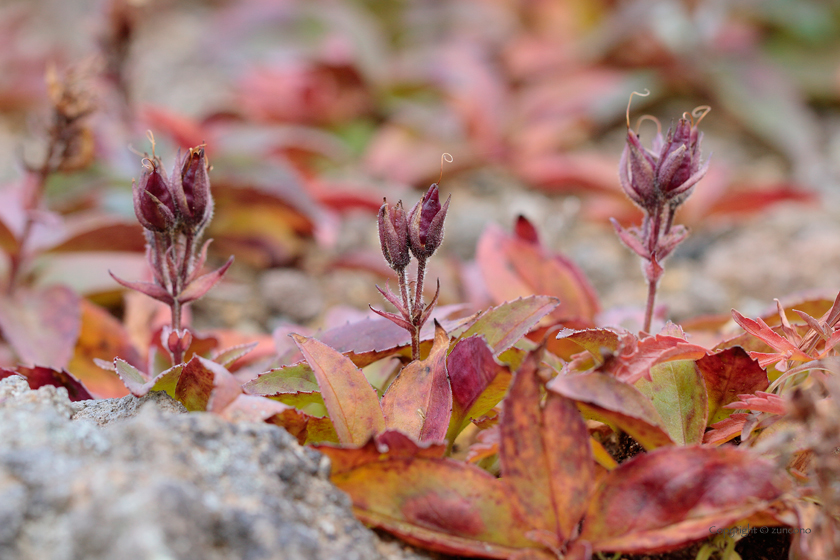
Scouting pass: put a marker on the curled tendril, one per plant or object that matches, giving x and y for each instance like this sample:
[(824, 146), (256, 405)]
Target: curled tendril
[(700, 112), (629, 101), (151, 138), (648, 118), (445, 157)]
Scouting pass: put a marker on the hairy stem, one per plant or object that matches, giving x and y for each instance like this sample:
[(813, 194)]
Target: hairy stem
[(651, 297), (178, 354), (403, 280), (417, 310)]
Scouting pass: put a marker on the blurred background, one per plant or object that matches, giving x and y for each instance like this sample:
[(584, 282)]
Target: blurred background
[(313, 111)]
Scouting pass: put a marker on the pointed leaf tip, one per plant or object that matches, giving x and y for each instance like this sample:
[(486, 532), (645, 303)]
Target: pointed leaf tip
[(350, 400)]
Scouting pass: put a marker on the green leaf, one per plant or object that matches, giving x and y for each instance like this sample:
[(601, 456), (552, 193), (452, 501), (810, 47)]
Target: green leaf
[(139, 386), (678, 393), (293, 378), (504, 325)]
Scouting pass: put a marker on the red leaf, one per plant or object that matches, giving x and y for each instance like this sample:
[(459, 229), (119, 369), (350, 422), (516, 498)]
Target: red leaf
[(150, 289), (389, 444), (759, 329), (419, 401), (202, 284), (40, 376), (728, 374), (205, 385), (486, 445), (370, 340), (516, 266), (760, 402), (670, 496), (478, 382), (726, 429), (349, 398), (42, 326), (635, 363), (545, 454), (249, 408)]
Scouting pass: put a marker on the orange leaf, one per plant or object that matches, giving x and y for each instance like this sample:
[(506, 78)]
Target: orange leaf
[(518, 265), (437, 503), (545, 454), (102, 337), (349, 398), (419, 401)]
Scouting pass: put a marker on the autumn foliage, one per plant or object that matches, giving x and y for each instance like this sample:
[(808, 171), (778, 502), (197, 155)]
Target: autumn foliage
[(477, 413)]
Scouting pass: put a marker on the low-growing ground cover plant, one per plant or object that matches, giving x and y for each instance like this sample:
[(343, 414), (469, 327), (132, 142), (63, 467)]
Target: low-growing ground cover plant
[(491, 434), (488, 435)]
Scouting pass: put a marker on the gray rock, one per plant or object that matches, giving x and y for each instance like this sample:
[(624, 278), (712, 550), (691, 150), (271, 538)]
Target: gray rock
[(163, 486), (105, 411)]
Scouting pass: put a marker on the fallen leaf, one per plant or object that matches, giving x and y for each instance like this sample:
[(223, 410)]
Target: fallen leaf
[(41, 376), (518, 266), (101, 337), (42, 325)]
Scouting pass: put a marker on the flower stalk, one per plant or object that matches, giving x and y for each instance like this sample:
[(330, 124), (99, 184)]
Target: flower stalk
[(402, 236), (175, 212), (659, 180)]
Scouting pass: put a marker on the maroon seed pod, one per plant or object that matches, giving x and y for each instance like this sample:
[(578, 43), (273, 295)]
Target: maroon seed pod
[(425, 223), (191, 185), (153, 204), (393, 235)]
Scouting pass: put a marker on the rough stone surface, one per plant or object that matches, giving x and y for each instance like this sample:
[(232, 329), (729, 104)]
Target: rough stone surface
[(105, 411), (160, 485)]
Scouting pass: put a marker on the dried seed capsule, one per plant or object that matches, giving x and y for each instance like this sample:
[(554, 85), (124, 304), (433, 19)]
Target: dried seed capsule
[(425, 224)]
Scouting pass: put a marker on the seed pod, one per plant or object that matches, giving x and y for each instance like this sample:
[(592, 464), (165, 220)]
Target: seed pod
[(393, 235), (153, 202), (191, 186), (425, 223)]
